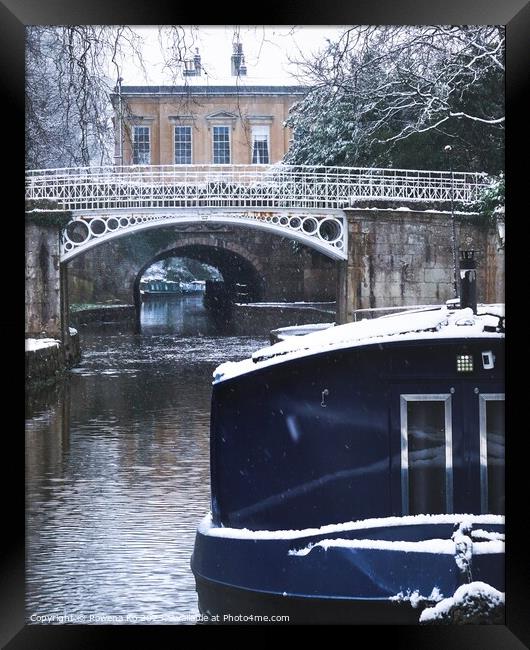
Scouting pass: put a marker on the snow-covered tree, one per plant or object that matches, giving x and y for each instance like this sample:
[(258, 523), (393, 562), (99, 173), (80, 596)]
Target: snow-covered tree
[(70, 72), (395, 96), (68, 120)]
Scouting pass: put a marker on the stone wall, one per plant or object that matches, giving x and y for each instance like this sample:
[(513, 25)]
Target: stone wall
[(43, 281), (402, 257), (45, 365), (251, 319), (107, 314)]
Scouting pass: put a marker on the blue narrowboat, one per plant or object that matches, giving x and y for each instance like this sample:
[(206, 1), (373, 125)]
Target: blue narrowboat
[(159, 288), (358, 470)]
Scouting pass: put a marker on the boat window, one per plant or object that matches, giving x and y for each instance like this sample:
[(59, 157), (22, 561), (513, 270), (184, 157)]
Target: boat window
[(491, 414), (426, 454)]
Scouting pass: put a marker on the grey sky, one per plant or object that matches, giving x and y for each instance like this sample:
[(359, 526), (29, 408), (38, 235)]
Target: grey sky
[(267, 50)]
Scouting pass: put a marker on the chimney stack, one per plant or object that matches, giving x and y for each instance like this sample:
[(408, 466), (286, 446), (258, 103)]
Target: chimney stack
[(468, 280), (192, 67), (197, 62), (239, 69)]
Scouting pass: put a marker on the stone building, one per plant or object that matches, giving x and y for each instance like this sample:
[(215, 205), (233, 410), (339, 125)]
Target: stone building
[(234, 121)]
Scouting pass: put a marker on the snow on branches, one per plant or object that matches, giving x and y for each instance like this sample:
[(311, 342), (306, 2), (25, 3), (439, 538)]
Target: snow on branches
[(380, 91)]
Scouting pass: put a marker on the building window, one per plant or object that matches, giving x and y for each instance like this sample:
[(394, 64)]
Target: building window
[(183, 145), (221, 145), (260, 145), (426, 454), (141, 146), (491, 416)]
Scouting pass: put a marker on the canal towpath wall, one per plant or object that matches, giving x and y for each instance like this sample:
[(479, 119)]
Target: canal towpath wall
[(262, 318), (46, 358), (101, 314)]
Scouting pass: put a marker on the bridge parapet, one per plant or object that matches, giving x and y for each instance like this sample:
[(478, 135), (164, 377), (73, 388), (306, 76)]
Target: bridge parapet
[(325, 232), (245, 186)]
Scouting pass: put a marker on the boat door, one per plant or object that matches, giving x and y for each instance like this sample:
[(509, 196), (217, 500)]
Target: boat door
[(447, 447)]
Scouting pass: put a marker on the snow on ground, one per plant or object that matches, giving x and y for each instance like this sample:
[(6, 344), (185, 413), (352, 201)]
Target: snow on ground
[(475, 602), (435, 323), (39, 344), (72, 331)]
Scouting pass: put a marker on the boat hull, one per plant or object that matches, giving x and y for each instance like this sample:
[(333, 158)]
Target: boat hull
[(357, 578), (230, 605)]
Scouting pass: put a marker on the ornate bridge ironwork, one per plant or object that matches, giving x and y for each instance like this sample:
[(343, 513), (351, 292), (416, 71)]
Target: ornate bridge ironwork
[(302, 202)]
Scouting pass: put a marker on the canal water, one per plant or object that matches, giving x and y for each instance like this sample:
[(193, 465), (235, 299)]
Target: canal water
[(117, 470)]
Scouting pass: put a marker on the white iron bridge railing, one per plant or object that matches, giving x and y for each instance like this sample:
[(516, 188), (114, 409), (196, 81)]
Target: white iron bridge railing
[(245, 186)]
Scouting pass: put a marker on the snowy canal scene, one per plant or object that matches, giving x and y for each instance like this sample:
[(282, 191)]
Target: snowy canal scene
[(265, 325)]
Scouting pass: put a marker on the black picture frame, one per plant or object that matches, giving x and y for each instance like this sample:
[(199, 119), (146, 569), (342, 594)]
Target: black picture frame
[(515, 15)]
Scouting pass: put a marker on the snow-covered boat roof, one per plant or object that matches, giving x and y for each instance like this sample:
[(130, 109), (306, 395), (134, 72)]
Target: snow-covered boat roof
[(443, 322)]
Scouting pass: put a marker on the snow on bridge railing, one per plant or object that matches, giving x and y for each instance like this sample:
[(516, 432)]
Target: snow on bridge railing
[(246, 186)]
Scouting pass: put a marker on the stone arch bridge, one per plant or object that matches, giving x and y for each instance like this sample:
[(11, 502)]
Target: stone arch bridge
[(319, 207)]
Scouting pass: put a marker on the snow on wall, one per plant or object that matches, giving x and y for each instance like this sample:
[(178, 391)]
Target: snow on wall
[(38, 344)]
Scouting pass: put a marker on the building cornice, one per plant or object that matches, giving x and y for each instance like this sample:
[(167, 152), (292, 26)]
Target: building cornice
[(261, 119), (172, 91)]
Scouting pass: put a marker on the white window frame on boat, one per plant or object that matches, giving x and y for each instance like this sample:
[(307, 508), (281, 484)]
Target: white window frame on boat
[(421, 397), (483, 431)]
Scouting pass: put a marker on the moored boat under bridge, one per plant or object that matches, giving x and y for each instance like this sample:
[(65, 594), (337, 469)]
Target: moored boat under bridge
[(305, 203)]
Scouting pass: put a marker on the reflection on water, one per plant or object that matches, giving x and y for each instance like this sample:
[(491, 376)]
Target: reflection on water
[(184, 315), (117, 471)]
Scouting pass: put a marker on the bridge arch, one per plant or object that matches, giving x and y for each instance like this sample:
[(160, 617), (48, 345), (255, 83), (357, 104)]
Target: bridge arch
[(233, 261), (324, 231)]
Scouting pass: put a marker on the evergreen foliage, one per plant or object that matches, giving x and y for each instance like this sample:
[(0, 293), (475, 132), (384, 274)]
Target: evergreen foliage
[(396, 96)]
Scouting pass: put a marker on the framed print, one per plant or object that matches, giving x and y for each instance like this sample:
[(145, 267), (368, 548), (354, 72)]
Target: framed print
[(429, 442)]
